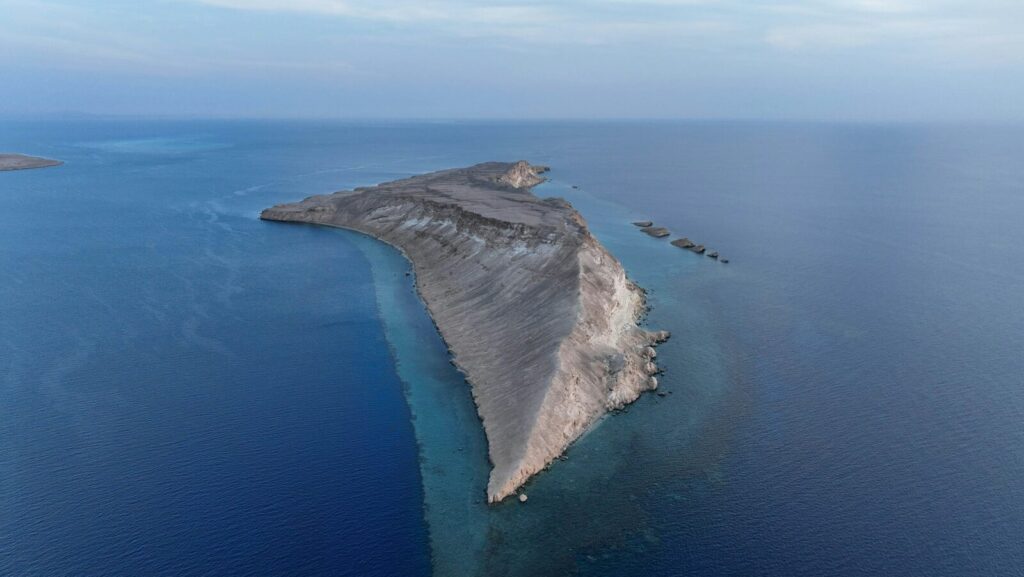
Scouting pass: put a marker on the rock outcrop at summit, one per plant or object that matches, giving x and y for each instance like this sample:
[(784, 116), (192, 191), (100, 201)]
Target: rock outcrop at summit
[(540, 318)]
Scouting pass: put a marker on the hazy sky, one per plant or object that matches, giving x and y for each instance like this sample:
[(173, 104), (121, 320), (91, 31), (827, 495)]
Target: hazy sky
[(804, 59)]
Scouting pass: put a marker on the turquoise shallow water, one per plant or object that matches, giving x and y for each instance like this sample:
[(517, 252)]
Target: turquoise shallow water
[(185, 390)]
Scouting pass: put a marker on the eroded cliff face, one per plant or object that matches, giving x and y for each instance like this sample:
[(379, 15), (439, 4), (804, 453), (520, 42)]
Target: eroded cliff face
[(537, 314)]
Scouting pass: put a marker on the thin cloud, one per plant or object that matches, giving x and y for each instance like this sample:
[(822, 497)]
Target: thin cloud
[(400, 12), (679, 55)]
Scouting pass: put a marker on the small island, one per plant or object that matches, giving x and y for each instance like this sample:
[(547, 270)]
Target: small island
[(13, 161), (538, 315)]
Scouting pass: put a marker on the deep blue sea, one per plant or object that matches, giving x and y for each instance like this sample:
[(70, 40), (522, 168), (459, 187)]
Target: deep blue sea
[(186, 390)]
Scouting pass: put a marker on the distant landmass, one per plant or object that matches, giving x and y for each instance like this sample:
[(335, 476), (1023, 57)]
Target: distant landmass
[(538, 315), (13, 161)]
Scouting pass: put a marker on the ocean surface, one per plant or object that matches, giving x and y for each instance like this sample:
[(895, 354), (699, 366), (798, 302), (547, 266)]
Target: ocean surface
[(186, 390)]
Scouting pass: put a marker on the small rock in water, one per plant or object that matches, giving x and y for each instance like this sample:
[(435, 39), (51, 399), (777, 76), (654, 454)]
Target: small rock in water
[(683, 242), (522, 497), (661, 336), (724, 261), (656, 231), (643, 223)]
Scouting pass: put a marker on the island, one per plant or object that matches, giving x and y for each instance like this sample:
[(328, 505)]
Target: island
[(540, 318), (12, 161)]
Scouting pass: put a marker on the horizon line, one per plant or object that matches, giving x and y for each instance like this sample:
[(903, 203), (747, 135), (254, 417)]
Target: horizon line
[(78, 115)]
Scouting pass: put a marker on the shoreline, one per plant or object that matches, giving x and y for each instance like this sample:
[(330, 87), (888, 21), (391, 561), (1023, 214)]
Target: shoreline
[(445, 419)]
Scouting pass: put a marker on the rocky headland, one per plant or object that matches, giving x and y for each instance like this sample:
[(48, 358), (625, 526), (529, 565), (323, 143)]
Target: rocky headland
[(11, 161), (538, 315)]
